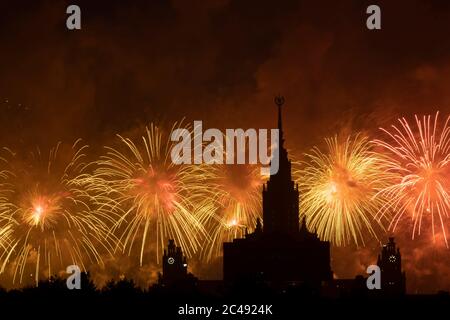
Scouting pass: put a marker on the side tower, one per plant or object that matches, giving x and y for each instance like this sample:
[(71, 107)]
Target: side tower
[(174, 265), (393, 280)]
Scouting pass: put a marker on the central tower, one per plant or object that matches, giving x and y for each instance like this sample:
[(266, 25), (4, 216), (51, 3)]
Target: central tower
[(280, 194), (279, 252)]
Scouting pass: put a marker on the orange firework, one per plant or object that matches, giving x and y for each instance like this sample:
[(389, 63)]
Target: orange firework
[(235, 206), (419, 157)]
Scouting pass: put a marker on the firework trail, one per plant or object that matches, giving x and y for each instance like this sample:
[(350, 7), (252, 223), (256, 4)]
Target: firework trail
[(6, 221), (419, 158), (338, 190), (235, 205), (153, 197), (48, 221)]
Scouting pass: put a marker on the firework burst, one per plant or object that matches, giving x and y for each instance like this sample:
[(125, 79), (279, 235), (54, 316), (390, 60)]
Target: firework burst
[(6, 207), (48, 222), (419, 158), (154, 197), (235, 206), (338, 189)]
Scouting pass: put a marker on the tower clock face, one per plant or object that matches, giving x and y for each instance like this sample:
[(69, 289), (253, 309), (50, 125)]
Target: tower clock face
[(392, 258), (171, 260)]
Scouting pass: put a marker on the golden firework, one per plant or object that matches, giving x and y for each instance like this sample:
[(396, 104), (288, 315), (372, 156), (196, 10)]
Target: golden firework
[(235, 205), (153, 197), (49, 221), (338, 190)]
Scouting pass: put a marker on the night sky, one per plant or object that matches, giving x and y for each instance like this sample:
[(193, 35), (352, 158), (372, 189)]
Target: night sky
[(223, 61)]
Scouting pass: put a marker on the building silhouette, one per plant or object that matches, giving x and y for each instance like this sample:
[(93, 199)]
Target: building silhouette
[(280, 251), (393, 279)]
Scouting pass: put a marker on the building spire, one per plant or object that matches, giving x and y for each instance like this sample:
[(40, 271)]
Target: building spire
[(279, 101), (280, 195)]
